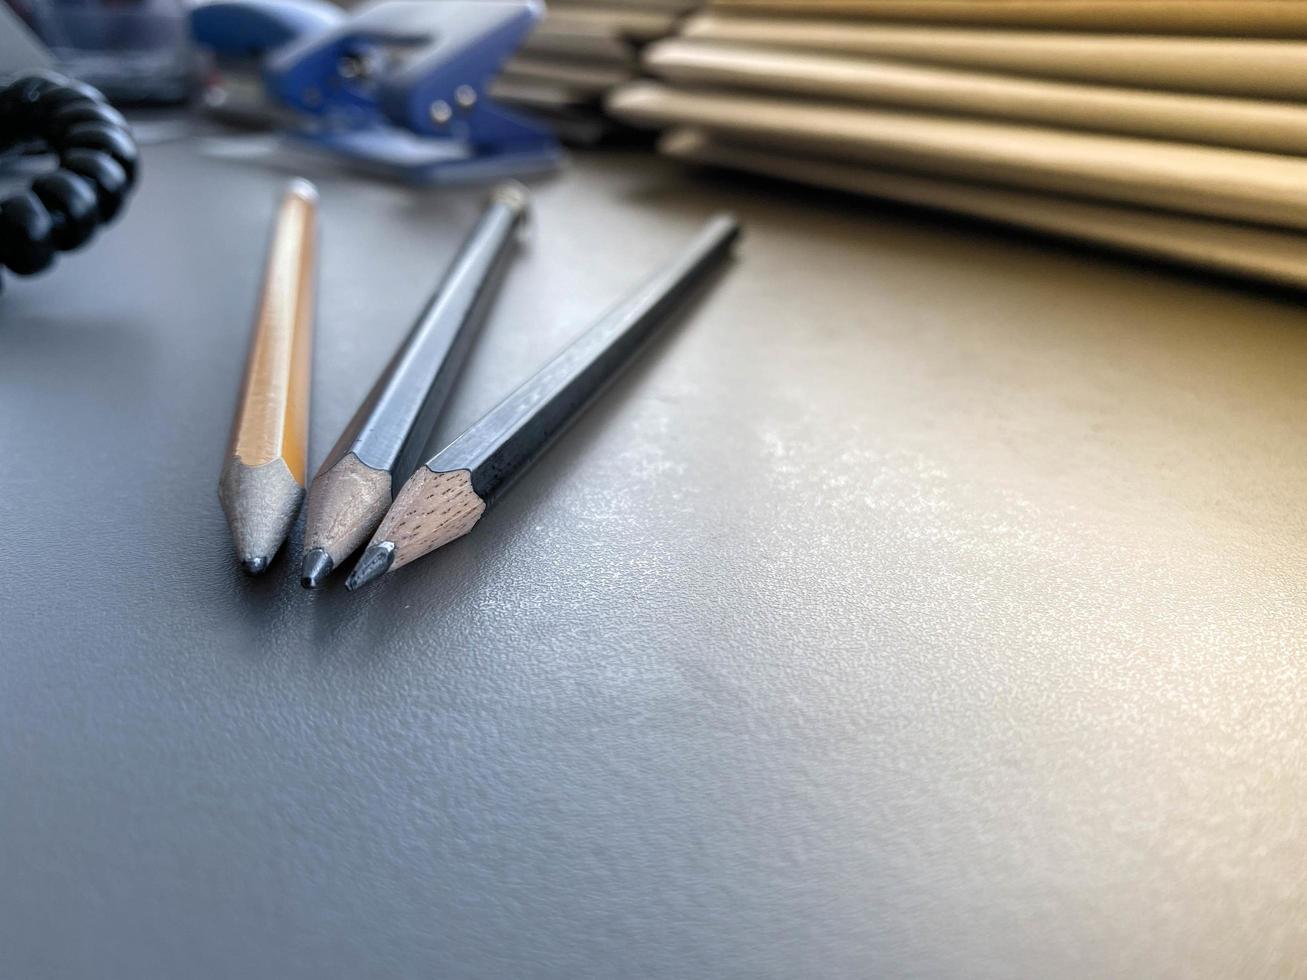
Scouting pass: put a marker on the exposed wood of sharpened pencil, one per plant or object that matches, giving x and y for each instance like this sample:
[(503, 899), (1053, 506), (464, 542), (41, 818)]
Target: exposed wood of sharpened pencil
[(382, 443), (445, 498), (262, 480)]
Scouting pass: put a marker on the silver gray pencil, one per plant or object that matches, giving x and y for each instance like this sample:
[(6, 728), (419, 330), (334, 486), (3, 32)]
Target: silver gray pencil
[(382, 444)]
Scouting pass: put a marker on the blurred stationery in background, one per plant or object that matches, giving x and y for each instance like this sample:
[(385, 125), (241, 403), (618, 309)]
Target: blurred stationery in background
[(20, 48), (396, 87), (1175, 130), (134, 51), (580, 51)]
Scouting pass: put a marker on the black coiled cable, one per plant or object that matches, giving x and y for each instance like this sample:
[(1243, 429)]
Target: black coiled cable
[(61, 210)]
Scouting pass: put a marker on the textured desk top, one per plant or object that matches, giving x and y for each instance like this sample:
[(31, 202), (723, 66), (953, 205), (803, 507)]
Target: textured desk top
[(930, 602)]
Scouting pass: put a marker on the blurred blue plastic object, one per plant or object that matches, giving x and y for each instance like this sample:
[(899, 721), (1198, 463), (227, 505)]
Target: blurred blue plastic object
[(252, 28), (402, 86)]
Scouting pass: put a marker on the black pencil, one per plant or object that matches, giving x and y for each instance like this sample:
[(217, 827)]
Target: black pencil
[(381, 445), (445, 498)]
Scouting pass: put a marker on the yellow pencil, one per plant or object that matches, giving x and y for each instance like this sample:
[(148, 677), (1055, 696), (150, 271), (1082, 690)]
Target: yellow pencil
[(263, 476)]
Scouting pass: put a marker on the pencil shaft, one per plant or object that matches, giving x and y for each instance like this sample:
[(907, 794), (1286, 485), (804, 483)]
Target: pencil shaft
[(383, 443), (391, 428), (504, 442), (262, 481), (272, 417), (444, 499)]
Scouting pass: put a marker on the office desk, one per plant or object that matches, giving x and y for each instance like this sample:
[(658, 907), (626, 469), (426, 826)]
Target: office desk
[(930, 601)]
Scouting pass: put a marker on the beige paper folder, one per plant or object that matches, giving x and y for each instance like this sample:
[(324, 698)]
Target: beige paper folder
[(598, 47), (574, 76), (1260, 18), (633, 23), (1212, 181), (1273, 69), (1259, 253), (660, 6), (538, 95), (1277, 127)]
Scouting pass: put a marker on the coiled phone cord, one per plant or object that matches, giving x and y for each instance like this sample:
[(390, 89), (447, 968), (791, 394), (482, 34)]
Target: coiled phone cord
[(61, 210)]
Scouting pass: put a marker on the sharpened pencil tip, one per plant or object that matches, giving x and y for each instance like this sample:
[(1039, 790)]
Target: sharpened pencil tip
[(316, 567), (374, 564), (255, 566)]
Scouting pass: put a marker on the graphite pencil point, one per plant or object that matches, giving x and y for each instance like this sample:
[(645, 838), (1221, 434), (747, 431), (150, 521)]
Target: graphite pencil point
[(316, 567), (374, 564)]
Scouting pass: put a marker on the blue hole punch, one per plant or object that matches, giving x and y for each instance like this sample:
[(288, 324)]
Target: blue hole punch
[(401, 87)]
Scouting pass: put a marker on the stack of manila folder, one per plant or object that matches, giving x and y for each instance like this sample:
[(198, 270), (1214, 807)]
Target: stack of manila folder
[(1171, 128), (580, 51)]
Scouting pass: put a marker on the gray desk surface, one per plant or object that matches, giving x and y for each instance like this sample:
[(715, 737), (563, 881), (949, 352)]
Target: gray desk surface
[(929, 603)]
